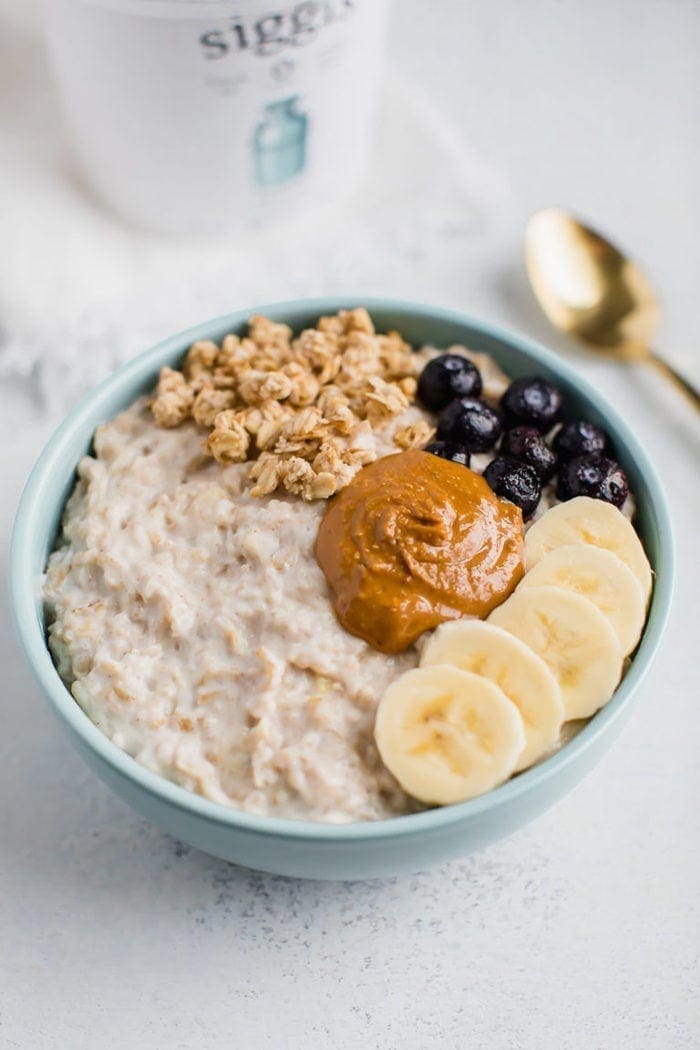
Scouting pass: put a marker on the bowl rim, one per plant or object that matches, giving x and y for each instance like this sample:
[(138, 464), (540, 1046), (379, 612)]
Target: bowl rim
[(24, 579)]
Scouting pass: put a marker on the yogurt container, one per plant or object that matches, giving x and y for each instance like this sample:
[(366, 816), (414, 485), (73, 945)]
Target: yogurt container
[(205, 117)]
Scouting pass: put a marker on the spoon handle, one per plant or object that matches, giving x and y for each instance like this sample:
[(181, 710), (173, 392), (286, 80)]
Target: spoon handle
[(661, 365)]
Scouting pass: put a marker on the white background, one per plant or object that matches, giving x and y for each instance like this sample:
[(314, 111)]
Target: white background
[(580, 931)]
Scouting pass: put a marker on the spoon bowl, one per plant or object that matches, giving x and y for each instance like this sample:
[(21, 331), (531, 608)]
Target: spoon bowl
[(594, 293)]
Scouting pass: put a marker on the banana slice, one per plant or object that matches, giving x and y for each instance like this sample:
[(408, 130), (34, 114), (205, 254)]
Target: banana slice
[(524, 677), (586, 520), (573, 638), (447, 735), (600, 576)]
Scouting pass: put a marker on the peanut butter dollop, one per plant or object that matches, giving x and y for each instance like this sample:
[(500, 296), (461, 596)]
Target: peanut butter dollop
[(414, 540)]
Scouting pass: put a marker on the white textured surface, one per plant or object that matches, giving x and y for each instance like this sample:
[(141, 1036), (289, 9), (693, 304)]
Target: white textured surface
[(580, 931)]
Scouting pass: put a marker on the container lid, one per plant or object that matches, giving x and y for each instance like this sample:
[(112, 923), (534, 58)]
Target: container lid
[(185, 8)]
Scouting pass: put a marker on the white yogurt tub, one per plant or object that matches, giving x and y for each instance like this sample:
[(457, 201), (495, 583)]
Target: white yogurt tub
[(204, 117)]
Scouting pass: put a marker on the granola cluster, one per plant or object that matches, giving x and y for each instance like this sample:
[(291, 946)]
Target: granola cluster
[(302, 409)]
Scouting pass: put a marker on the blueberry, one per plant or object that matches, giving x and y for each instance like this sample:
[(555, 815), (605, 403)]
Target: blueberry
[(449, 450), (580, 438), (471, 423), (445, 378), (533, 401), (514, 481), (528, 445), (595, 476)]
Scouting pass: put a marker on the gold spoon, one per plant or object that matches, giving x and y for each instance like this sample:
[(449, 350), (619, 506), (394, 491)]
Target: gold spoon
[(590, 290)]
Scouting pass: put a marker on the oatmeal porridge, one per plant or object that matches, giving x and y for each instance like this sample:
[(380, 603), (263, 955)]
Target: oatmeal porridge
[(196, 616)]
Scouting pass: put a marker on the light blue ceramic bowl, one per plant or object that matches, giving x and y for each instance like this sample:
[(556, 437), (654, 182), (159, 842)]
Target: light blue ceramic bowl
[(316, 850)]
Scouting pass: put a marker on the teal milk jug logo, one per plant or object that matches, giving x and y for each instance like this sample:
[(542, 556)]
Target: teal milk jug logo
[(279, 143)]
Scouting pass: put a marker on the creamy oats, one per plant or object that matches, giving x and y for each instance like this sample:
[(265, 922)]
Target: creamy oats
[(187, 612), (194, 627)]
